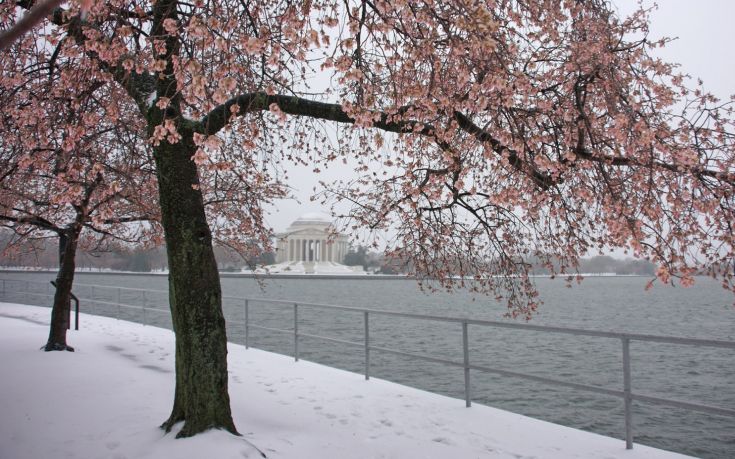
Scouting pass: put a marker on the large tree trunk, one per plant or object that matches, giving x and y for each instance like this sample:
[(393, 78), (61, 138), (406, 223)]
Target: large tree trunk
[(64, 281), (201, 398)]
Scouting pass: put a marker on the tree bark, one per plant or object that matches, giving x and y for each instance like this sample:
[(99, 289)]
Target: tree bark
[(62, 297), (201, 399)]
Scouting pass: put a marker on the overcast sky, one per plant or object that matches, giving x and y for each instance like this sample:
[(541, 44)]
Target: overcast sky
[(704, 48)]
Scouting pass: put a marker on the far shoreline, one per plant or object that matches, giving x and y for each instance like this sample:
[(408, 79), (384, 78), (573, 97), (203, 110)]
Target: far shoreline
[(246, 275)]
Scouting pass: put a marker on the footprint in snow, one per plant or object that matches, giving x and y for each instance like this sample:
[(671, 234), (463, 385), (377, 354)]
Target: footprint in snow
[(442, 440), (112, 445), (155, 368)]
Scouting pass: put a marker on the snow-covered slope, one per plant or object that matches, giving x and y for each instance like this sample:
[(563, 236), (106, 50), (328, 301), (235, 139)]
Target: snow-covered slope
[(107, 399), (311, 267)]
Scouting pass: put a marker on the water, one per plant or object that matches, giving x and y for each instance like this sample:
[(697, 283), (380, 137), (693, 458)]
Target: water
[(697, 374)]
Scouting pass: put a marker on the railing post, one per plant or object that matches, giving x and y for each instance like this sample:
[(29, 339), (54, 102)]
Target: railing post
[(118, 304), (367, 344), (76, 311), (627, 394), (296, 332), (144, 303), (247, 325), (466, 354)]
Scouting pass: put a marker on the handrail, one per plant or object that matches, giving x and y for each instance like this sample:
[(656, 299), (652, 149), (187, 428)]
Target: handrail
[(470, 321), (491, 323), (625, 338), (76, 309)]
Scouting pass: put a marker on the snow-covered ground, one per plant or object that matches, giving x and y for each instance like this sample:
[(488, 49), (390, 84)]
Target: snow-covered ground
[(311, 267), (106, 400)]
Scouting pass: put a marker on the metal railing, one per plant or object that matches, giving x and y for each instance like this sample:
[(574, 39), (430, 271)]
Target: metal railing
[(92, 299), (626, 393), (76, 309), (47, 294)]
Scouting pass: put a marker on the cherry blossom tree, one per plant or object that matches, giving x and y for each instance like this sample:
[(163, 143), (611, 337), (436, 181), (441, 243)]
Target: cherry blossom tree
[(486, 134), (547, 134), (72, 175)]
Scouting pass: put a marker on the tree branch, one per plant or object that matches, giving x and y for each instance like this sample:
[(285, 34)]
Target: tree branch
[(37, 12), (33, 220), (138, 85), (292, 105)]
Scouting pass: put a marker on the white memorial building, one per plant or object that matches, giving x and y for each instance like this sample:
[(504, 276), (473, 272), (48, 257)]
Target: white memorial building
[(308, 246)]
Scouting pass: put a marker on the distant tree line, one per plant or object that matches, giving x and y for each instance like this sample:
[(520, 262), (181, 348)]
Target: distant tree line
[(607, 264), (603, 264), (42, 253)]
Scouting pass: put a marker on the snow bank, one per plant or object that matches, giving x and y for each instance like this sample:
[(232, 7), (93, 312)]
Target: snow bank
[(107, 399)]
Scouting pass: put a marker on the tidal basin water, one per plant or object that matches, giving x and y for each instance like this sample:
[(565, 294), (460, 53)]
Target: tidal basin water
[(697, 374)]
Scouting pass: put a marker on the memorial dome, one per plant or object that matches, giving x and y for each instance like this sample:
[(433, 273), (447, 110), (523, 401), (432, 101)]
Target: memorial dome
[(312, 218)]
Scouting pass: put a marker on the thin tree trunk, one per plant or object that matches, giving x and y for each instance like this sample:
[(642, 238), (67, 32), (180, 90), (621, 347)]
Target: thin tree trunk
[(201, 398), (62, 297)]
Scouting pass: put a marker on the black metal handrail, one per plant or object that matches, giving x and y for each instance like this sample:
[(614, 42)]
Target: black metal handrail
[(626, 392), (76, 310)]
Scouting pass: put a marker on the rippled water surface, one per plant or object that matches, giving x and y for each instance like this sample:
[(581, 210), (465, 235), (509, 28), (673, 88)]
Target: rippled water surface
[(698, 374)]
